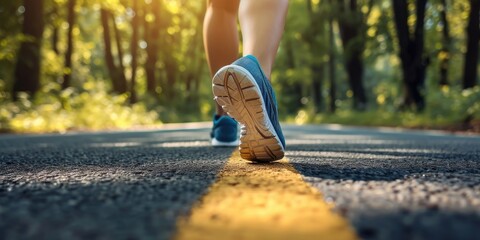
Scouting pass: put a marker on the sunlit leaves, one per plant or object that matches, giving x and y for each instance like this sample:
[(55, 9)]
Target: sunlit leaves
[(112, 5), (73, 110)]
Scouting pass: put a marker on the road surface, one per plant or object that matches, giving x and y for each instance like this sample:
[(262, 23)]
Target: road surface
[(383, 183)]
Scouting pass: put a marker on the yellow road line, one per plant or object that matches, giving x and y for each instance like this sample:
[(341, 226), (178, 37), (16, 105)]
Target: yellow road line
[(262, 201)]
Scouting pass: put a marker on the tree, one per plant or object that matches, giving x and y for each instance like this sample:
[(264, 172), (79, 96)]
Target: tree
[(196, 61), (27, 69), (331, 65), (352, 26), (55, 28), (411, 45), (122, 80), (473, 37), (313, 39), (134, 51), (444, 54), (68, 54), (117, 75), (151, 38)]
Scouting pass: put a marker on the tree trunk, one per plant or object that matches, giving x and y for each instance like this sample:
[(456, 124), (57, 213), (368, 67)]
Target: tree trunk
[(293, 90), (195, 48), (151, 38), (355, 68), (471, 56), (105, 16), (27, 69), (201, 62), (116, 74), (411, 51), (193, 72), (122, 80), (447, 42), (331, 66), (55, 27), (55, 40), (134, 51), (317, 89), (351, 25), (68, 54), (317, 67), (171, 70)]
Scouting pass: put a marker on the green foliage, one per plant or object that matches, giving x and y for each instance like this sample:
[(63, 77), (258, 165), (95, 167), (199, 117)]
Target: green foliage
[(183, 89), (453, 105), (53, 110), (446, 108)]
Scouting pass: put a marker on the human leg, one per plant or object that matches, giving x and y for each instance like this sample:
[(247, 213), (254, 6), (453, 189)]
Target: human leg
[(220, 35), (243, 88), (262, 23), (221, 47)]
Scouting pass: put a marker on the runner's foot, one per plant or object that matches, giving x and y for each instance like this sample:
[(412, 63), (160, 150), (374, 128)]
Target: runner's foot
[(245, 93), (224, 132)]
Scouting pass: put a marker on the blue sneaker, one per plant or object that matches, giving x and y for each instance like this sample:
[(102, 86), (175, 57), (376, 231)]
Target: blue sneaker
[(244, 92), (224, 132)]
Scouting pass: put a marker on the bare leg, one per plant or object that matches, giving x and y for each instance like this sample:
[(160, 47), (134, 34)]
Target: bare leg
[(220, 35), (262, 23), (236, 89)]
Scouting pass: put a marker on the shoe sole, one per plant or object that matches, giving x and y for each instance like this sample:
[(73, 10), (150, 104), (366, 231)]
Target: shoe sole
[(238, 93), (217, 143)]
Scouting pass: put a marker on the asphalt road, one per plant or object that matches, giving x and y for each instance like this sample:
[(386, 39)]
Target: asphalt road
[(127, 185)]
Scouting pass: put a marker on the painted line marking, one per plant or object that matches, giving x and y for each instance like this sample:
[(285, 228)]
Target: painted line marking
[(262, 201)]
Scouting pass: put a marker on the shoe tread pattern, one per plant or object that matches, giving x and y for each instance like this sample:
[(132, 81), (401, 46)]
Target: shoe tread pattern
[(240, 98)]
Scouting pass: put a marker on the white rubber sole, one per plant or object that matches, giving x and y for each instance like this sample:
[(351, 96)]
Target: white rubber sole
[(217, 143), (237, 92)]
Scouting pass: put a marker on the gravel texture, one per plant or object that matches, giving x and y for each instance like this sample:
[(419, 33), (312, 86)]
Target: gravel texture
[(102, 186), (134, 185), (395, 185)]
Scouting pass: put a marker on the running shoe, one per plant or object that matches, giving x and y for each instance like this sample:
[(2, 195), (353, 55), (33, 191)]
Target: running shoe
[(224, 132), (245, 93)]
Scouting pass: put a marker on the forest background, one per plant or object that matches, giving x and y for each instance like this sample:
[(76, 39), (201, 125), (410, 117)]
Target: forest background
[(91, 64)]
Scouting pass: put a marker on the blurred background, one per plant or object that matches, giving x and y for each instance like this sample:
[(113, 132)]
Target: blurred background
[(114, 64)]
